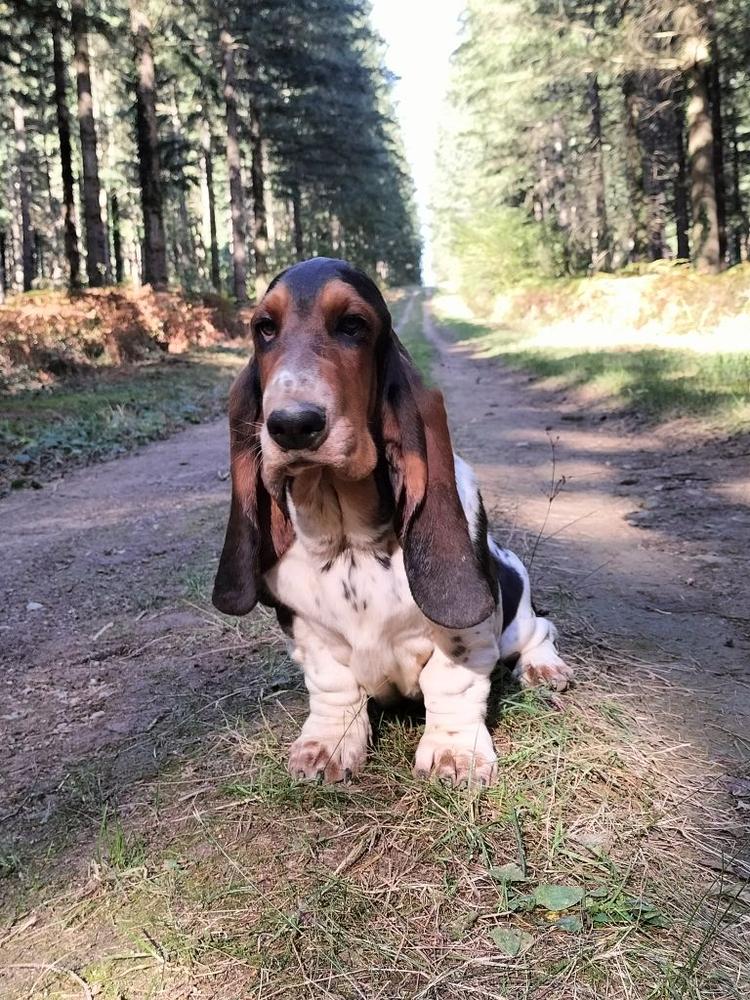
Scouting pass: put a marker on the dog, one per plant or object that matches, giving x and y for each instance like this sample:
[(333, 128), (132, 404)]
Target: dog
[(352, 517)]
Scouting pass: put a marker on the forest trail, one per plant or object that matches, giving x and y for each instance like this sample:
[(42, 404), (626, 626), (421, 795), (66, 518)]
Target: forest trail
[(109, 665), (108, 659)]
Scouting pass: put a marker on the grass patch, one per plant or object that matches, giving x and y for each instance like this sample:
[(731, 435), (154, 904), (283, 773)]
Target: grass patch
[(570, 878), (409, 324), (100, 416), (654, 382), (117, 848)]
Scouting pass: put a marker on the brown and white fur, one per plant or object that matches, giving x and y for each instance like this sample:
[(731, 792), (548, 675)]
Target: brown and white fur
[(353, 518)]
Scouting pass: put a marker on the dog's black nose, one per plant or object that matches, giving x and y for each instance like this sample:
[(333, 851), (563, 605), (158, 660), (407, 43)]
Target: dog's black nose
[(298, 428)]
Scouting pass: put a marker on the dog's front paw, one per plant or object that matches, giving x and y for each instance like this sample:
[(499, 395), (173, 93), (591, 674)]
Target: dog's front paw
[(542, 667), (331, 756), (459, 756)]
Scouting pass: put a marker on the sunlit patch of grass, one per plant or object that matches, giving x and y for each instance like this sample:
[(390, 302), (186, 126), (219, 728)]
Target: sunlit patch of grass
[(99, 416), (656, 383), (409, 324), (119, 849)]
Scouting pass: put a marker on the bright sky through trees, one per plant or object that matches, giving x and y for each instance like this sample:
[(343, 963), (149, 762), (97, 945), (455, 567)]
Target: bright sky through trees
[(420, 35)]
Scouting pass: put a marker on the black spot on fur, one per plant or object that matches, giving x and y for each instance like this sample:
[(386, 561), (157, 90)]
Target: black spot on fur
[(511, 590), (458, 650), (285, 617), (482, 549), (383, 559)]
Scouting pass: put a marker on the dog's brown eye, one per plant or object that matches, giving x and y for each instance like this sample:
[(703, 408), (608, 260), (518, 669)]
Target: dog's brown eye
[(266, 328), (351, 326)]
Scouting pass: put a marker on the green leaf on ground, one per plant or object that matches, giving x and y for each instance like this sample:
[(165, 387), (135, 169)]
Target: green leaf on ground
[(558, 897), (571, 924), (508, 873), (511, 941)]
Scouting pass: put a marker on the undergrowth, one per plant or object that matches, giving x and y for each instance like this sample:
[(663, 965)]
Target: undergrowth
[(97, 416)]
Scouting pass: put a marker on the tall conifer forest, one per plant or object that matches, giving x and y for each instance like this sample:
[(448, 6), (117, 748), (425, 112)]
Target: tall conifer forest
[(593, 136), (200, 144)]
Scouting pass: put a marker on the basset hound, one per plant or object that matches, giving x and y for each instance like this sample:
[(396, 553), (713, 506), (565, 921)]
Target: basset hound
[(351, 516)]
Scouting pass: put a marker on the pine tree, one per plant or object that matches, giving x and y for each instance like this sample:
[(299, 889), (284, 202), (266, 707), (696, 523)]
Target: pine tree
[(154, 239), (284, 90), (96, 256), (66, 155)]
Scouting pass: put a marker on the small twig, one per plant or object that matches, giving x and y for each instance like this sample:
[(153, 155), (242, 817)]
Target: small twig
[(555, 488), (366, 844), (519, 840), (102, 630)]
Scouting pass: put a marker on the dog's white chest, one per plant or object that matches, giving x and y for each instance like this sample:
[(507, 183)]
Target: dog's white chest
[(360, 607)]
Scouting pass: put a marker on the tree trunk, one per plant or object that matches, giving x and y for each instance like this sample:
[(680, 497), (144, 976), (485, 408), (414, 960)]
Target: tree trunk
[(700, 146), (234, 164), (260, 230), (117, 238), (3, 267), (654, 136), (740, 226), (72, 253), (24, 194), (600, 258), (149, 166), (681, 212), (299, 241), (715, 98), (634, 169), (95, 239), (107, 247), (186, 247), (208, 166)]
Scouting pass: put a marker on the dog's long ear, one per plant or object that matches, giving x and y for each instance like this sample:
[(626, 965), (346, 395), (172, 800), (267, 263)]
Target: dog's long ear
[(258, 532), (446, 576)]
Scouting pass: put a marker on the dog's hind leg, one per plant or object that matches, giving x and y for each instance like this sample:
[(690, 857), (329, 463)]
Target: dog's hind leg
[(526, 637)]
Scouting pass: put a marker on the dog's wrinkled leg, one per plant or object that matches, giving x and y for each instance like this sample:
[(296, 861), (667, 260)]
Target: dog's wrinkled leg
[(334, 739), (456, 745)]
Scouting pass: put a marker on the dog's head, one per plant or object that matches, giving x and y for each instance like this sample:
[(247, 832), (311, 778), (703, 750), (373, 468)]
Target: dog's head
[(331, 388), (317, 332)]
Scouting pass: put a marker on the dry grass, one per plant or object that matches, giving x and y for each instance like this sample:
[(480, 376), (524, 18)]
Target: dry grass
[(229, 879), (650, 301)]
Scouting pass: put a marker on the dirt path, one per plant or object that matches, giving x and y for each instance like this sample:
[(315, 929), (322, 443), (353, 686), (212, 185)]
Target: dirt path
[(112, 663), (643, 549), (110, 659)]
